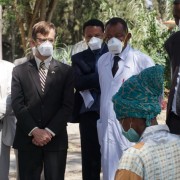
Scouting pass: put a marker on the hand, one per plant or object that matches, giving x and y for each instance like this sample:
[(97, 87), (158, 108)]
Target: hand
[(41, 137)]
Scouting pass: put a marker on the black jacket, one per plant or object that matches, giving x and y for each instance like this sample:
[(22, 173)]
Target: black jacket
[(172, 46), (33, 109), (86, 78)]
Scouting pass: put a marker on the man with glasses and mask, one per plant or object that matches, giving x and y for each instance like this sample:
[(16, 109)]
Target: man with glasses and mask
[(87, 97), (42, 99), (114, 68)]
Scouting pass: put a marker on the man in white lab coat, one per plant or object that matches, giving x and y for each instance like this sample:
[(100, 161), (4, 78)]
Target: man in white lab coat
[(115, 67), (7, 118)]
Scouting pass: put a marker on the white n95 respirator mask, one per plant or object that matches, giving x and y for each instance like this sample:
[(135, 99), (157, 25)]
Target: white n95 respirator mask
[(45, 49), (95, 43), (115, 46)]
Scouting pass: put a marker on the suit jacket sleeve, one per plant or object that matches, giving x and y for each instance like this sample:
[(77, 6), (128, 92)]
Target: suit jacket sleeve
[(64, 114), (85, 79), (168, 46), (24, 118)]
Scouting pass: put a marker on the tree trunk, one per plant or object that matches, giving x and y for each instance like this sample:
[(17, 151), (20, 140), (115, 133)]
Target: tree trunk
[(51, 9), (20, 25), (43, 10)]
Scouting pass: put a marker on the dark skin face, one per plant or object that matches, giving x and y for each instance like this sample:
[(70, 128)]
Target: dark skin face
[(93, 31), (138, 124), (176, 13), (118, 32)]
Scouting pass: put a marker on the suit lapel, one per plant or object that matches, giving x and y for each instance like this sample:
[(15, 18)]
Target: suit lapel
[(90, 58), (35, 76), (50, 79)]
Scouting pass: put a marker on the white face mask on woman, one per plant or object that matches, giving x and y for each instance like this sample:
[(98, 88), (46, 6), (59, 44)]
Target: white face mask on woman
[(115, 46), (95, 43), (45, 49)]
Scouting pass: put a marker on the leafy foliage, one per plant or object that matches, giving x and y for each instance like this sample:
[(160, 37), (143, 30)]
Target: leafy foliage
[(146, 25)]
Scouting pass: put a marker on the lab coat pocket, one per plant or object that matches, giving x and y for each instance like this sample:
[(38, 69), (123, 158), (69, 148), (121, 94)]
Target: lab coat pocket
[(99, 130)]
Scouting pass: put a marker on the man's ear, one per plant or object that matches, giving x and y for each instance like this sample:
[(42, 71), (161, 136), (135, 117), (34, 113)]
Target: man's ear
[(128, 37), (32, 43)]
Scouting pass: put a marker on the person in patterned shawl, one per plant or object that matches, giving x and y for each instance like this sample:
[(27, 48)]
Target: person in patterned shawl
[(156, 154)]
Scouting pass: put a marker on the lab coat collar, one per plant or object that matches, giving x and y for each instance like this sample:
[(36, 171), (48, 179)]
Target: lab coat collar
[(125, 56)]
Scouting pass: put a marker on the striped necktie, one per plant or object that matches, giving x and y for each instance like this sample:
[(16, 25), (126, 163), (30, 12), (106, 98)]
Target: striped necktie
[(42, 75)]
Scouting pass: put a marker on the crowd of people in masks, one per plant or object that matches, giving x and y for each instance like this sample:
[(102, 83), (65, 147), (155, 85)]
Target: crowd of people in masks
[(111, 89)]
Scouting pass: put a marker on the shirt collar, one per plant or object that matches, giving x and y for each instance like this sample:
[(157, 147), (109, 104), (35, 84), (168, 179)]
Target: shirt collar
[(153, 130), (46, 61), (124, 53)]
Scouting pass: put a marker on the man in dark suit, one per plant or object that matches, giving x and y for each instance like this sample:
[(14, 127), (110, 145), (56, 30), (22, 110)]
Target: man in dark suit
[(172, 48), (42, 99), (87, 97)]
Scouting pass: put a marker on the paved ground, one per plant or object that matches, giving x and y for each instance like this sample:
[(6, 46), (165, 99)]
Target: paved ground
[(73, 168)]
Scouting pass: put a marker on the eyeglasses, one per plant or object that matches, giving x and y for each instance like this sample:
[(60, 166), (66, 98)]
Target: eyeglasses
[(42, 40)]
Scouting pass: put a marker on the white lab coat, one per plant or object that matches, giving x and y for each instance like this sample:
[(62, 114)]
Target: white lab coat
[(6, 114), (110, 136), (7, 118)]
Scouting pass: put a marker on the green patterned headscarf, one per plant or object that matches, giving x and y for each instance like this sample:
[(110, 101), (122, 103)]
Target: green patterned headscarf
[(139, 96)]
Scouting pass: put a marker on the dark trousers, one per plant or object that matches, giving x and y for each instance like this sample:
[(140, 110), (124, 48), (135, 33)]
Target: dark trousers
[(90, 148), (32, 163), (174, 123)]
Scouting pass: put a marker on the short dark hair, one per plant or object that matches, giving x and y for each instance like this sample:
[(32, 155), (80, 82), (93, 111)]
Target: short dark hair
[(93, 22), (176, 2), (42, 27), (116, 20)]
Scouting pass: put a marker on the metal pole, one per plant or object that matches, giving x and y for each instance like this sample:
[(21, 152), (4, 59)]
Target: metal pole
[(0, 32)]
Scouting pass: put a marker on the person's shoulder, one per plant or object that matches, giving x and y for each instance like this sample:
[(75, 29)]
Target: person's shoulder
[(7, 63), (172, 38), (136, 150), (139, 145), (103, 60), (22, 66), (141, 56), (80, 54), (105, 57), (20, 61), (77, 56), (61, 65), (174, 35)]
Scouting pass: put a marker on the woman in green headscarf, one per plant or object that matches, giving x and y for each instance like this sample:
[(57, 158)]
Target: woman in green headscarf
[(157, 152)]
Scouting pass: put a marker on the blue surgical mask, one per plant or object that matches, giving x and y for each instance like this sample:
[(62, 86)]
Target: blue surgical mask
[(131, 134)]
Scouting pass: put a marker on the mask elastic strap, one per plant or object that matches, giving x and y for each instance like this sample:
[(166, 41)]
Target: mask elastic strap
[(122, 122), (130, 123)]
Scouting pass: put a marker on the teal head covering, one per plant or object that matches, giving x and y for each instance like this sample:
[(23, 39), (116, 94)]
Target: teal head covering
[(139, 96)]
